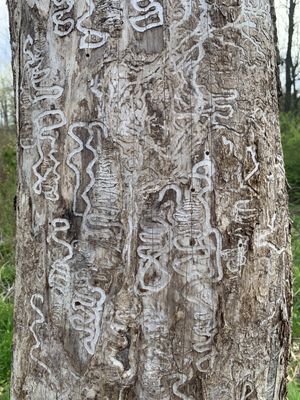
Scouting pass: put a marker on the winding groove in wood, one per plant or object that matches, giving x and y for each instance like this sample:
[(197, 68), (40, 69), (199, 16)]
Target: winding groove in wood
[(153, 232)]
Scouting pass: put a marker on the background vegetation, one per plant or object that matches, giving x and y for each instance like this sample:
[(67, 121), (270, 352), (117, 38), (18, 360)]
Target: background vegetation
[(290, 127), (7, 251), (290, 133)]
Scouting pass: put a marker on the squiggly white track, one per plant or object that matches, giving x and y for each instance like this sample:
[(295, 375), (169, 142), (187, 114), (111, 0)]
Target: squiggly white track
[(38, 74), (181, 379), (59, 276), (89, 169), (87, 314), (91, 128), (153, 9), (73, 166), (59, 22), (47, 183), (37, 321), (198, 256), (86, 41), (153, 255)]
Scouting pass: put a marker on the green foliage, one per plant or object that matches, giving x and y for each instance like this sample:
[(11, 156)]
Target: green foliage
[(290, 133), (7, 191)]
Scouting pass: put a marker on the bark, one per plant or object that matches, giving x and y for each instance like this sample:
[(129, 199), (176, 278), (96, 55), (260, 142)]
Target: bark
[(153, 232), (290, 69), (4, 107)]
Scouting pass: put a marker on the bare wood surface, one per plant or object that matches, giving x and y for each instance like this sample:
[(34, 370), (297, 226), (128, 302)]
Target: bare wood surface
[(153, 233)]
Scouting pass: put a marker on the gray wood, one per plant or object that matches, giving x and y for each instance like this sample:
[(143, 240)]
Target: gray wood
[(153, 257)]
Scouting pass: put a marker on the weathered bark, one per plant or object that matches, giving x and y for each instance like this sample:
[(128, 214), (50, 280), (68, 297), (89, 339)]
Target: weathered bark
[(290, 99), (4, 112), (153, 232), (4, 98)]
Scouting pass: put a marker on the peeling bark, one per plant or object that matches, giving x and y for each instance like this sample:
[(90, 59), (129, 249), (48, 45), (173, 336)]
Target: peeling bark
[(153, 232)]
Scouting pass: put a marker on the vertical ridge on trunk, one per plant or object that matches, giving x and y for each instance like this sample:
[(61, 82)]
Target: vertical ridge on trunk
[(153, 234)]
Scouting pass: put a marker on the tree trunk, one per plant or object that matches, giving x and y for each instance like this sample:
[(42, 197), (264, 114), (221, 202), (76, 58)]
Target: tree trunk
[(4, 105), (153, 233), (3, 108), (290, 71)]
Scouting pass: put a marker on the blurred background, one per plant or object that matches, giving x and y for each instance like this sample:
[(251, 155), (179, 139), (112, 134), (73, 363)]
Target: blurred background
[(288, 27)]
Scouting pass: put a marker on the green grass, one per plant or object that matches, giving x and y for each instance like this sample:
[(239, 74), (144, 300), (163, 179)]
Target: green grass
[(6, 310), (7, 255), (290, 134), (295, 214), (293, 391), (294, 385), (7, 192)]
